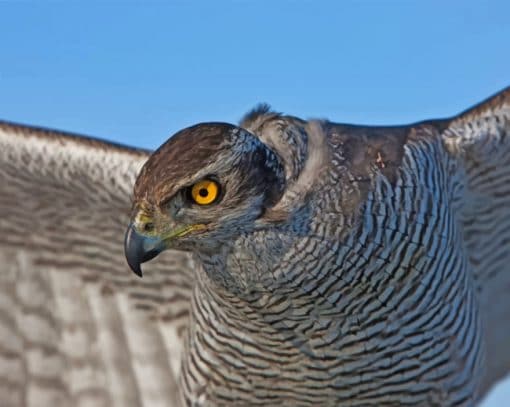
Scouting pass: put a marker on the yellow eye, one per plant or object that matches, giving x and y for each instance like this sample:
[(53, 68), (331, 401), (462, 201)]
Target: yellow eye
[(205, 192)]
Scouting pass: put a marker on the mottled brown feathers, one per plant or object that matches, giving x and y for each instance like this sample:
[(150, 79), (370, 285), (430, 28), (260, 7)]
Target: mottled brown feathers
[(366, 149)]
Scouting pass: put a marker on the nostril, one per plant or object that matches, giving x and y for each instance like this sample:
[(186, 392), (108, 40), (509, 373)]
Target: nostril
[(148, 227)]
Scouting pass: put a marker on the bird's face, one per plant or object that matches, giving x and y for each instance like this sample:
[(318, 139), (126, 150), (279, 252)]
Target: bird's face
[(206, 185)]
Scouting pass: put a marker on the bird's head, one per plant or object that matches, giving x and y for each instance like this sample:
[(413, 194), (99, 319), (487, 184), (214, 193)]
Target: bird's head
[(206, 185)]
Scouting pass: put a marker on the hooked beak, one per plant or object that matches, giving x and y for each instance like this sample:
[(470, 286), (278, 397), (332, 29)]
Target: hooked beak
[(139, 249)]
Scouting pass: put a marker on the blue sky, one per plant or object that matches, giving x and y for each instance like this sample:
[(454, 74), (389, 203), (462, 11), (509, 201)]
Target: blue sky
[(137, 73)]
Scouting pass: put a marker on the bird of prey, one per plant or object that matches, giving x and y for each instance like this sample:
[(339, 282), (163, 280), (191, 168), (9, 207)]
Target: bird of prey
[(299, 263)]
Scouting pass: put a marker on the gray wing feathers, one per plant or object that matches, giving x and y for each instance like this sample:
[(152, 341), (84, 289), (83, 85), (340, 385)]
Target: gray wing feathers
[(480, 138), (76, 327)]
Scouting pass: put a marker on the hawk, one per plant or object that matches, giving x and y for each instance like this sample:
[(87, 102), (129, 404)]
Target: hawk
[(298, 263)]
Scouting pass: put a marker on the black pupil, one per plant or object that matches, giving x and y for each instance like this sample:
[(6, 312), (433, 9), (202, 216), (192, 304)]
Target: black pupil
[(203, 192)]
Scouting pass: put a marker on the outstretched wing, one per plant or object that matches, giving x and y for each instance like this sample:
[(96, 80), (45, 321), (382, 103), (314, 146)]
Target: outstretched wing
[(76, 326), (480, 138)]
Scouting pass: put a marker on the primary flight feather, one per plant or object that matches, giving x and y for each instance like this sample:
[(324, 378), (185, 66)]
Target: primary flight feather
[(305, 263)]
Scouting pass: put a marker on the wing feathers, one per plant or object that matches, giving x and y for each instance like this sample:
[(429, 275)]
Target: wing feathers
[(68, 304), (480, 138)]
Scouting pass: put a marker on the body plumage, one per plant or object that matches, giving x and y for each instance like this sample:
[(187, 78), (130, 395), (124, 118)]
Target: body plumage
[(306, 263)]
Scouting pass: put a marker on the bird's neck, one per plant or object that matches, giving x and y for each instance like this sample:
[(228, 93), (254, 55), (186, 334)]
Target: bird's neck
[(329, 313)]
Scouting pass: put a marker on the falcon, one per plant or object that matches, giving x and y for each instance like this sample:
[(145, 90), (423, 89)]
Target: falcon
[(292, 262)]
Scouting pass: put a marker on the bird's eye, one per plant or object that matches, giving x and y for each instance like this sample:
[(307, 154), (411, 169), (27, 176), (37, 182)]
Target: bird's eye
[(205, 192)]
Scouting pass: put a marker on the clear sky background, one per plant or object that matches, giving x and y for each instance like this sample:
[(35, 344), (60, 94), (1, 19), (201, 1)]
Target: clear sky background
[(137, 72)]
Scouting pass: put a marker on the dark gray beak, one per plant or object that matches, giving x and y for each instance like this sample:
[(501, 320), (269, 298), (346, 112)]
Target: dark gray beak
[(139, 249)]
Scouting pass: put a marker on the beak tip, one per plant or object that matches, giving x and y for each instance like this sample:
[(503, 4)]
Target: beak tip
[(133, 249), (138, 272), (137, 252), (135, 266)]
